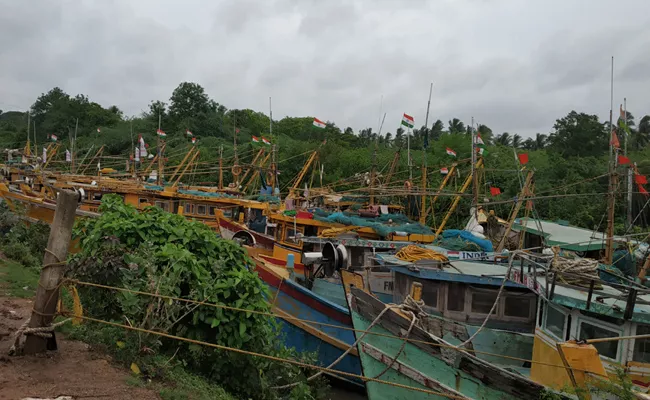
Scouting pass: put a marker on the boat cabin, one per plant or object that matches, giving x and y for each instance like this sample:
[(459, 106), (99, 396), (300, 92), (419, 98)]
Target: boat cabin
[(466, 292)]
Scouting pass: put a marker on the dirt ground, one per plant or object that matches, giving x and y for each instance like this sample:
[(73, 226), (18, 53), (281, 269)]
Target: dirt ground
[(74, 370)]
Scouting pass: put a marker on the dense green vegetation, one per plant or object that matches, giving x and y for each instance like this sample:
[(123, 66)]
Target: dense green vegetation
[(573, 151), (158, 252)]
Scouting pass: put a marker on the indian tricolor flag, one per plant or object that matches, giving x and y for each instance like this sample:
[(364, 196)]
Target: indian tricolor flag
[(451, 152), (319, 124), (99, 130), (256, 139), (193, 140), (444, 171), (408, 121), (478, 140), (189, 133), (161, 133), (54, 138), (265, 140)]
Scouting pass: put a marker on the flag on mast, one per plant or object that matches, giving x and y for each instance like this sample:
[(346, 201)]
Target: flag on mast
[(54, 138), (451, 152), (193, 140), (143, 146), (319, 124), (189, 133), (99, 130), (444, 171), (256, 139), (408, 121), (161, 133), (265, 140)]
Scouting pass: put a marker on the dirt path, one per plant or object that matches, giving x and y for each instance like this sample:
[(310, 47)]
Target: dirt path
[(74, 370)]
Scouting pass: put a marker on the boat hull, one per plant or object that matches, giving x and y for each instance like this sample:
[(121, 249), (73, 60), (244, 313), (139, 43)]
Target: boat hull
[(428, 365), (289, 299)]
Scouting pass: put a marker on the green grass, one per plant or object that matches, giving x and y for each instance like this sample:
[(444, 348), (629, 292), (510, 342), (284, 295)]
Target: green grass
[(14, 278)]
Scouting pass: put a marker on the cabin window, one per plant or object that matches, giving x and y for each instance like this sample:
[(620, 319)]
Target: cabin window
[(142, 201), (517, 306), (200, 209), (642, 346), (189, 208), (430, 294), (591, 331), (483, 301), (97, 196), (212, 210), (162, 204), (555, 321), (227, 213), (455, 296), (291, 235)]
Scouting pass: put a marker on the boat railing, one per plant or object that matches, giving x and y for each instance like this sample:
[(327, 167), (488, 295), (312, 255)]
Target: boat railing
[(525, 267)]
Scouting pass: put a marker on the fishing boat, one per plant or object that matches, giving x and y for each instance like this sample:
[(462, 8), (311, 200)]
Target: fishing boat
[(407, 347)]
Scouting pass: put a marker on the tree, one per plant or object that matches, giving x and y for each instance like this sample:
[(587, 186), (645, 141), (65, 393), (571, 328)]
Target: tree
[(399, 138), (503, 139), (540, 141), (579, 134), (641, 137), (157, 108), (516, 141), (456, 126), (189, 100), (388, 139), (529, 144), (486, 133), (437, 130)]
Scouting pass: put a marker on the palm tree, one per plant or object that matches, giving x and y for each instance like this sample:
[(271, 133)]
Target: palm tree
[(540, 141), (456, 126), (529, 144), (641, 137), (503, 139), (486, 134), (516, 141)]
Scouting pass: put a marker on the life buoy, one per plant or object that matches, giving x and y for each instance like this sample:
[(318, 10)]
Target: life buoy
[(236, 170), (407, 185)]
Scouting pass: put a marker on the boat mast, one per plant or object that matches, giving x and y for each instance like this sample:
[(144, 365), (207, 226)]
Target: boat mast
[(373, 170), (474, 172), (221, 167), (629, 171), (159, 150), (613, 178), (423, 206)]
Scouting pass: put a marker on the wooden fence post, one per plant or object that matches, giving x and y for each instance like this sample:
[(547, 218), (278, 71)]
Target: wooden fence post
[(47, 293)]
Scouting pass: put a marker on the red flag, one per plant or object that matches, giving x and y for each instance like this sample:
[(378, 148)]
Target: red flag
[(643, 191), (495, 191), (614, 142), (622, 160), (640, 179), (523, 158)]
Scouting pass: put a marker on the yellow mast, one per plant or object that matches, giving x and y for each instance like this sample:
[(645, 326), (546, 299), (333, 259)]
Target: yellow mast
[(248, 170), (525, 192), (182, 162), (454, 204), (186, 167), (256, 173), (393, 166), (99, 153), (301, 174), (442, 186)]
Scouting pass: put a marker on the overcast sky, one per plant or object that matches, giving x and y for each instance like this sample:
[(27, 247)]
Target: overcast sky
[(514, 65)]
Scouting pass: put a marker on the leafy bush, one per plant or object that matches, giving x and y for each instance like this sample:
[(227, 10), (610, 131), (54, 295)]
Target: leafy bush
[(20, 242), (157, 252)]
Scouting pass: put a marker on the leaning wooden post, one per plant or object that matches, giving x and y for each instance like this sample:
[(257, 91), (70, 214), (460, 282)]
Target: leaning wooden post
[(47, 293)]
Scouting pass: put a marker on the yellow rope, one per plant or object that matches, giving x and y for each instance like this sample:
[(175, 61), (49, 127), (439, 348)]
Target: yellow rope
[(269, 357), (333, 232), (413, 253), (292, 318)]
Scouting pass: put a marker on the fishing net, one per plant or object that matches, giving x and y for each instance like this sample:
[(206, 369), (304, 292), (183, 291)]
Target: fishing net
[(457, 244), (268, 198), (207, 194), (383, 225)]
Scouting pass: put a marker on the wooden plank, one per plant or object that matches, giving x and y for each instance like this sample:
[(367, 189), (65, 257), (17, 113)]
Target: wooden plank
[(409, 372)]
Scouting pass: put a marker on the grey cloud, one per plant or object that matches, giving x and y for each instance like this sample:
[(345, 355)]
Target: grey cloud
[(515, 66)]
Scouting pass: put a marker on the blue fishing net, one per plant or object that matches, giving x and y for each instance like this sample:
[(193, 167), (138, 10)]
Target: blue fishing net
[(383, 225)]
